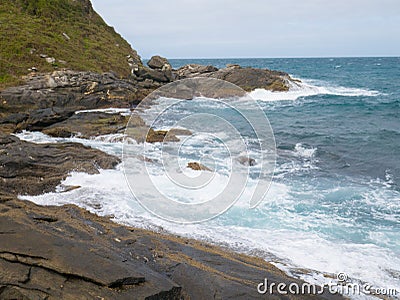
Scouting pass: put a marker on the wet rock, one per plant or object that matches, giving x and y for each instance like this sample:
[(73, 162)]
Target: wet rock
[(88, 124), (180, 131), (41, 118), (247, 161), (70, 259), (27, 168), (198, 167), (160, 136)]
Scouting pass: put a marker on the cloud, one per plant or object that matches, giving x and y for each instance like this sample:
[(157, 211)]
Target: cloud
[(256, 28)]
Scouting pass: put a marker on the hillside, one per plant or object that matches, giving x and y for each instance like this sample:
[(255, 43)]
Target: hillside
[(47, 35)]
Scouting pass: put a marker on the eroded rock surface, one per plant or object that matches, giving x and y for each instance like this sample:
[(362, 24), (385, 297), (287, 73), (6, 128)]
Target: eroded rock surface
[(68, 253), (28, 168)]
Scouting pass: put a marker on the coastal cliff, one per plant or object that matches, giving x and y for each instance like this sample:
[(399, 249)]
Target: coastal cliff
[(45, 36)]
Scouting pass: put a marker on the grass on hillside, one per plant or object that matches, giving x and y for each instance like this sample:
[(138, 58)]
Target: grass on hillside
[(29, 28)]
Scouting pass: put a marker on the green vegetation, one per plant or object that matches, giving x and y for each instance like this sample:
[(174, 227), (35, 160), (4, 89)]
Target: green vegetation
[(68, 30)]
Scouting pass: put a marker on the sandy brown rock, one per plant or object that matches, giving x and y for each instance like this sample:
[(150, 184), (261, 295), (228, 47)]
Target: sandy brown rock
[(198, 167)]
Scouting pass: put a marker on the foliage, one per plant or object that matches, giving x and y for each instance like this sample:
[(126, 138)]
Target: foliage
[(29, 28)]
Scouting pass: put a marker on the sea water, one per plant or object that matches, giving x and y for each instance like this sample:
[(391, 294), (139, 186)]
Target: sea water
[(334, 202)]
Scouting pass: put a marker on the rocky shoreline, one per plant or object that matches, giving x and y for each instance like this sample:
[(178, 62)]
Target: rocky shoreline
[(68, 253)]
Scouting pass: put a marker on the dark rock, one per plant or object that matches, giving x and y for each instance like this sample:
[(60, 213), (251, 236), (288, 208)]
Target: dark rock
[(14, 118), (158, 62), (68, 89), (27, 168), (154, 75), (77, 257), (88, 124), (246, 78), (41, 118)]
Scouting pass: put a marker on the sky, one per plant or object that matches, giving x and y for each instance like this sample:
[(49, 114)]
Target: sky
[(256, 28)]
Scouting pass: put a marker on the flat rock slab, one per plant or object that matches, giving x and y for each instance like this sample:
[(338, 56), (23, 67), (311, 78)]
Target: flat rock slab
[(68, 253), (28, 168), (88, 124)]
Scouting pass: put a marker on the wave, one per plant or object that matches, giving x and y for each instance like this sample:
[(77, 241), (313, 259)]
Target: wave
[(307, 88), (301, 253), (280, 230)]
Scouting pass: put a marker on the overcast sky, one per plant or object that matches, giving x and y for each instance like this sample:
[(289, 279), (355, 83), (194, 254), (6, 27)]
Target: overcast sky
[(256, 28)]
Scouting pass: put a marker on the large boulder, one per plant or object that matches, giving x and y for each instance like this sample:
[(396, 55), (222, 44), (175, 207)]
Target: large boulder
[(157, 62)]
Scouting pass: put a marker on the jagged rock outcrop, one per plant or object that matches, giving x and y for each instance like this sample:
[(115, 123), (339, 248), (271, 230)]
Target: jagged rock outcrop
[(246, 78)]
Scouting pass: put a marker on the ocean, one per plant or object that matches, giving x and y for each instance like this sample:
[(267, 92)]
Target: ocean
[(334, 202)]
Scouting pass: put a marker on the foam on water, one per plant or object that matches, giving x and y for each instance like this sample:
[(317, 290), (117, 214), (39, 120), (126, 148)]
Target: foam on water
[(122, 111), (307, 88), (278, 230)]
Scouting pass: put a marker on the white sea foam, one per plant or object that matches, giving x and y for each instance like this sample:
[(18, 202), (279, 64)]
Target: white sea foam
[(307, 88), (122, 111), (302, 151), (275, 230), (108, 194)]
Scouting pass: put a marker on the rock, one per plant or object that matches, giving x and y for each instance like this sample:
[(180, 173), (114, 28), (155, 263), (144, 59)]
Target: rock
[(66, 36), (154, 74), (247, 161), (50, 60), (180, 131), (79, 255), (157, 62), (68, 90), (140, 132), (246, 78), (67, 188), (38, 119), (198, 167), (233, 66), (194, 70), (88, 124), (160, 136), (28, 168)]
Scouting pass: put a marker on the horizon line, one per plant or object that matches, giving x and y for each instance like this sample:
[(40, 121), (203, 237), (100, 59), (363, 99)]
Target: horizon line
[(284, 57)]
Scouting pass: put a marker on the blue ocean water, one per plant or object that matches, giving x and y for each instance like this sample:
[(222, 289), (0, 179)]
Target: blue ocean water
[(334, 203), (338, 152)]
